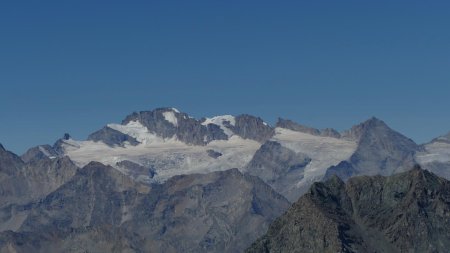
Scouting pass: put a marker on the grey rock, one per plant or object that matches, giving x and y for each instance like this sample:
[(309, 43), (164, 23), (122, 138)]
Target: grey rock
[(251, 127), (39, 153), (191, 131), (192, 213), (215, 212), (112, 137), (441, 169), (214, 154), (88, 239), (380, 150), (11, 182), (135, 170), (407, 212), (215, 133), (343, 170), (330, 132), (66, 136), (279, 167), (10, 163), (22, 182), (291, 125), (58, 146), (188, 130)]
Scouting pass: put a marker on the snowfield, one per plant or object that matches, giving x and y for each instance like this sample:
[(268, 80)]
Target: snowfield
[(168, 157), (435, 152), (323, 151), (219, 120)]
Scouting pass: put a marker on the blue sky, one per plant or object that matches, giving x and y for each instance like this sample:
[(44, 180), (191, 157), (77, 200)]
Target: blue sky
[(73, 66)]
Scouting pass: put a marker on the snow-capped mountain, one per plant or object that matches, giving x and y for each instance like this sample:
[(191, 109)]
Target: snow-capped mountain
[(436, 156), (165, 142), (166, 178)]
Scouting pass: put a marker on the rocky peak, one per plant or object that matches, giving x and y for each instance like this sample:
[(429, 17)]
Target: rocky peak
[(251, 127), (107, 178), (112, 137), (406, 212), (169, 122), (380, 150), (330, 132), (291, 125), (190, 213), (370, 125), (38, 153), (66, 136), (10, 163), (375, 131)]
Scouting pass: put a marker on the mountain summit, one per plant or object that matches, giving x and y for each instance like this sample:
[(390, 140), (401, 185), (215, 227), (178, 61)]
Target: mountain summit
[(380, 150)]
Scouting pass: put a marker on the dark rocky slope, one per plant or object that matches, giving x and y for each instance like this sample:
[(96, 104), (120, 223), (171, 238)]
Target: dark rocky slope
[(407, 212)]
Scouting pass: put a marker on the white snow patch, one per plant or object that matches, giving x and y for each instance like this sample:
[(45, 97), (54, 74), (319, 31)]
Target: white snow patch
[(138, 131), (44, 151), (220, 120), (167, 157), (170, 116), (175, 110), (435, 152), (323, 151)]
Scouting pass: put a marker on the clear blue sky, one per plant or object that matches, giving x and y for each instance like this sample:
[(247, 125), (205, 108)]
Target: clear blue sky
[(73, 66)]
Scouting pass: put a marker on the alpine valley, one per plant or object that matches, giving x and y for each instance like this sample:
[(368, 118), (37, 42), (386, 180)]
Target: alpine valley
[(163, 181)]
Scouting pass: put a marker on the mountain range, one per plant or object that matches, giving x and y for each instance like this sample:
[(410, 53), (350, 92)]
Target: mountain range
[(163, 181)]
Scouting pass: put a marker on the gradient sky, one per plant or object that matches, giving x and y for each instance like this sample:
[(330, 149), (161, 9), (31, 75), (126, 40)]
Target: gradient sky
[(74, 66)]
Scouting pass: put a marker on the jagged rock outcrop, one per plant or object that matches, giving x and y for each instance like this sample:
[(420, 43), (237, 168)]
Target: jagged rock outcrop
[(380, 150), (135, 170), (112, 137), (39, 153), (58, 146), (407, 212), (168, 122), (192, 213), (11, 185), (291, 125), (278, 166), (22, 182), (251, 127)]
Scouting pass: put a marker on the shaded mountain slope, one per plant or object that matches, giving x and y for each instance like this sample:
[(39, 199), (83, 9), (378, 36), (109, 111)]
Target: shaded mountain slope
[(380, 151), (21, 182), (407, 212), (216, 212)]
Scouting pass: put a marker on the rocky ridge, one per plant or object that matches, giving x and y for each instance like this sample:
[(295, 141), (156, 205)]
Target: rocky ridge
[(407, 212)]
